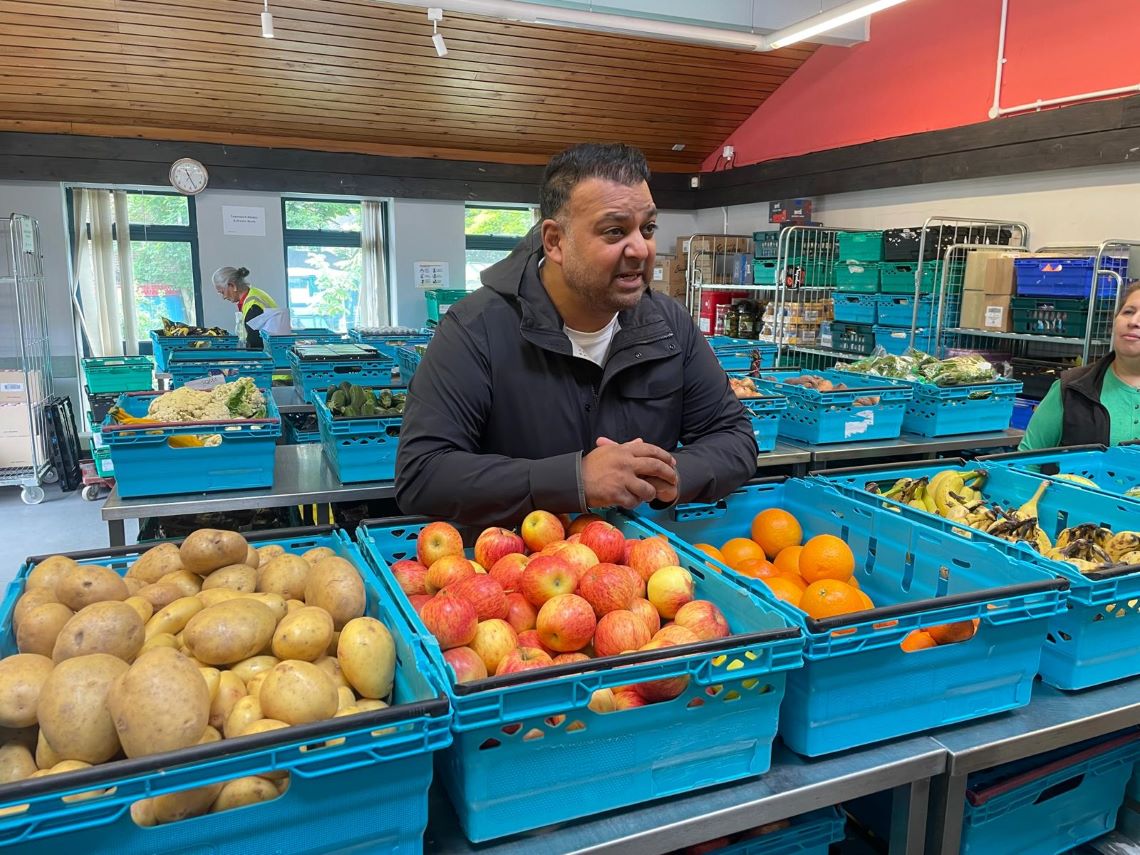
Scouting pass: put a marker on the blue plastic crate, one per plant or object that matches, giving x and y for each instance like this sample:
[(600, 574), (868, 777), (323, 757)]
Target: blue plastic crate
[(1114, 470), (1097, 639), (855, 308), (358, 449), (119, 373), (808, 834), (370, 792), (1050, 803), (897, 341), (738, 354), (389, 343), (766, 412), (1023, 409), (295, 434), (857, 685), (164, 345), (510, 730), (1066, 276), (317, 367), (408, 359), (186, 365), (824, 417), (277, 346), (897, 310), (146, 465)]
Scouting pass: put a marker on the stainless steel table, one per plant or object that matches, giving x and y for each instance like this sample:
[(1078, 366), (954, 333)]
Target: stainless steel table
[(289, 401), (301, 476), (908, 445), (1051, 720), (785, 454), (791, 787)]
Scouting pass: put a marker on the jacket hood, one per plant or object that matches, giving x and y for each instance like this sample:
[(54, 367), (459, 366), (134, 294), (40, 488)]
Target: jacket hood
[(504, 277)]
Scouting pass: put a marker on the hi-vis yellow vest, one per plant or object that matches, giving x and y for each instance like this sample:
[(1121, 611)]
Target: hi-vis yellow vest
[(256, 297)]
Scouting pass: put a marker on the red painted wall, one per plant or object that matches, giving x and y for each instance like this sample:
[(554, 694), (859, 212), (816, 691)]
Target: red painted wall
[(930, 65)]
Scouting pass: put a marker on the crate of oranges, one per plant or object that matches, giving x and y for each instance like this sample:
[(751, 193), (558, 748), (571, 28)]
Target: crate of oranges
[(908, 628)]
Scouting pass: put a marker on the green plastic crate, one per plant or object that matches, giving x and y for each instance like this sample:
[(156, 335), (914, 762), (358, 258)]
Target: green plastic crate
[(817, 270), (440, 300), (897, 277), (861, 277), (860, 246), (119, 373), (764, 271), (1047, 316), (103, 466), (852, 338)]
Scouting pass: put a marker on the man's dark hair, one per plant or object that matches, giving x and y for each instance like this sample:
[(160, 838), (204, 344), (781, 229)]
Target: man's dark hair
[(611, 161)]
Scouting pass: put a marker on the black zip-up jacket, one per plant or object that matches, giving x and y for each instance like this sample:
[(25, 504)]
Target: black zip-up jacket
[(500, 412), (1084, 419)]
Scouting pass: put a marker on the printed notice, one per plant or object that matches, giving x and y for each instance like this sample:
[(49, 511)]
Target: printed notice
[(431, 274), (238, 220), (866, 419)]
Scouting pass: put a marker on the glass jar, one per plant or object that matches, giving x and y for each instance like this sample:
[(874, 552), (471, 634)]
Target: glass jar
[(732, 321), (748, 319)]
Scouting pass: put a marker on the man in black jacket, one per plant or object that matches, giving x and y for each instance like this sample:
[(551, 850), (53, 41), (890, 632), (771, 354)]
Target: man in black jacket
[(565, 383)]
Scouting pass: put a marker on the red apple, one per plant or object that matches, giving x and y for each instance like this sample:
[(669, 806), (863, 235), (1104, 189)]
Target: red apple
[(436, 540), (479, 568), (705, 620), (520, 613), (450, 568), (494, 543), (608, 587), (602, 701), (451, 620), (619, 632), (493, 640), (531, 638), (627, 550), (523, 659), (410, 576), (676, 634), (540, 528), (604, 541), (668, 589), (507, 571), (645, 610), (565, 623), (418, 600), (661, 690), (552, 547), (574, 538), (650, 555), (627, 697), (708, 846), (579, 556), (569, 658), (581, 521), (483, 592), (546, 576), (466, 664)]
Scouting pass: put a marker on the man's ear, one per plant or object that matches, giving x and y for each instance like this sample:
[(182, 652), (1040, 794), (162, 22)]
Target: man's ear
[(552, 238)]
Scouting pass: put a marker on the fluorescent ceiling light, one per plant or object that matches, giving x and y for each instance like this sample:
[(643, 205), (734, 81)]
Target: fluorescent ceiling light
[(440, 45), (267, 22), (829, 20)]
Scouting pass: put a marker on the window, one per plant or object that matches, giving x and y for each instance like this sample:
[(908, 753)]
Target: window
[(492, 232), (322, 260)]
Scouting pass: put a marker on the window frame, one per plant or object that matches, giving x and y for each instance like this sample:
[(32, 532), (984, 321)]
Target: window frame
[(494, 242)]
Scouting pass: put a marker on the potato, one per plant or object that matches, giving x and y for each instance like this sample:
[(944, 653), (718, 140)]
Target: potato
[(30, 600), (252, 558), (335, 586), (25, 736), (133, 585), (74, 718), (230, 690), (264, 725), (333, 643), (207, 549), (247, 669), (210, 734), (48, 572), (367, 655), (160, 704), (188, 583), (297, 692), (237, 577), (89, 584), (213, 596), (171, 807), (230, 631), (22, 678), (292, 606), (155, 563), (265, 554), (160, 594), (16, 762), (45, 754), (344, 698), (40, 628), (142, 812), (330, 666), (285, 575), (143, 607), (275, 602), (370, 704), (161, 639), (317, 553), (304, 634), (172, 618), (110, 627), (244, 791), (213, 678), (244, 713), (253, 687)]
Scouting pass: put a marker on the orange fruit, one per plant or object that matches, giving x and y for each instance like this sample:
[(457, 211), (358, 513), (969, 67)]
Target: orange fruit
[(795, 578), (952, 633), (918, 640), (826, 556), (784, 589), (867, 604), (775, 529), (854, 583), (830, 597), (756, 568), (710, 550), (740, 549), (788, 561)]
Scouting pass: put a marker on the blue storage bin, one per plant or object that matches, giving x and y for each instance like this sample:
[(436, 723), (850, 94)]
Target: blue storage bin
[(808, 834), (824, 417), (1114, 470), (187, 365), (855, 308), (389, 343), (369, 792), (897, 341), (146, 465), (164, 345), (529, 752), (1023, 409), (408, 359), (295, 434), (765, 411), (358, 449), (1097, 639), (1050, 803), (897, 310), (277, 346), (1066, 276), (317, 367), (736, 354), (857, 685)]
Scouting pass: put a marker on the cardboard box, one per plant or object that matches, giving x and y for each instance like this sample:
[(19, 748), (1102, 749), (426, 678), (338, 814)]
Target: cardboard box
[(15, 451), (14, 388), (667, 277), (982, 311), (14, 418), (976, 265), (990, 272)]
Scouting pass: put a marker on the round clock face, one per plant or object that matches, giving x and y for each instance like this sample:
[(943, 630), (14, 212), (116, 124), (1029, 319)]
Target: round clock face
[(188, 176)]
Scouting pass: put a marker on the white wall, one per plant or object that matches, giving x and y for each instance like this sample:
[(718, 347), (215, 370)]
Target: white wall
[(423, 230)]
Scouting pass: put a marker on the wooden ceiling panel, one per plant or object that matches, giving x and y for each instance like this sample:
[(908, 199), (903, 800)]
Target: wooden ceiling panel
[(357, 75)]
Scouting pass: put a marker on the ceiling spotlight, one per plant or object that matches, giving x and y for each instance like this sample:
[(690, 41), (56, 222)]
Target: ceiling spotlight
[(435, 15), (678, 146), (266, 22)]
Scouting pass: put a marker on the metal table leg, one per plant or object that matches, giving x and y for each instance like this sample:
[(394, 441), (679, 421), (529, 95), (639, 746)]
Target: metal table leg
[(117, 532), (948, 800), (909, 807)]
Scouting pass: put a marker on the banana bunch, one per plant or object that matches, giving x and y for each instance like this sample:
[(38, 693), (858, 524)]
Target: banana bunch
[(910, 491), (180, 329), (348, 401), (1090, 547), (1076, 479)]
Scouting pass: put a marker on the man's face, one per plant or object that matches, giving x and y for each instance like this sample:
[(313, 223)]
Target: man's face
[(605, 243)]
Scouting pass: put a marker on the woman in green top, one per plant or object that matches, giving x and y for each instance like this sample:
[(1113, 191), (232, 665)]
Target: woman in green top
[(1099, 402)]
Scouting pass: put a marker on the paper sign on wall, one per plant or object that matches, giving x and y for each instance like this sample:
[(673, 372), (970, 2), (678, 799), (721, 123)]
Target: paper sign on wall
[(431, 274), (238, 220), (28, 229)]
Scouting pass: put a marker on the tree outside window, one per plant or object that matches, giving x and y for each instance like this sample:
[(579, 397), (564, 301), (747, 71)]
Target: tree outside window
[(322, 257), (491, 233)]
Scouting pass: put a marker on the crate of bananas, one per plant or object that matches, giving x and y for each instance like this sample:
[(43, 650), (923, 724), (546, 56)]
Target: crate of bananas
[(175, 335), (1113, 470)]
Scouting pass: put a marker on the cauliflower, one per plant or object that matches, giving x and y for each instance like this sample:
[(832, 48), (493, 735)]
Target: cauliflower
[(240, 399)]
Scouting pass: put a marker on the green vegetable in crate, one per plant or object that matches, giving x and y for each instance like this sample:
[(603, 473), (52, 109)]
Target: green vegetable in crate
[(348, 401), (916, 365)]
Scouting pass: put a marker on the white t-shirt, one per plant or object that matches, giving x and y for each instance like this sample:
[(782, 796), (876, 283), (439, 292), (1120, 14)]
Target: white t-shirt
[(593, 345)]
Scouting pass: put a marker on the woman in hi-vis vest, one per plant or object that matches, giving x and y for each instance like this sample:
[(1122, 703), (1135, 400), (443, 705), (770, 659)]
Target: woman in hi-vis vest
[(231, 283)]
